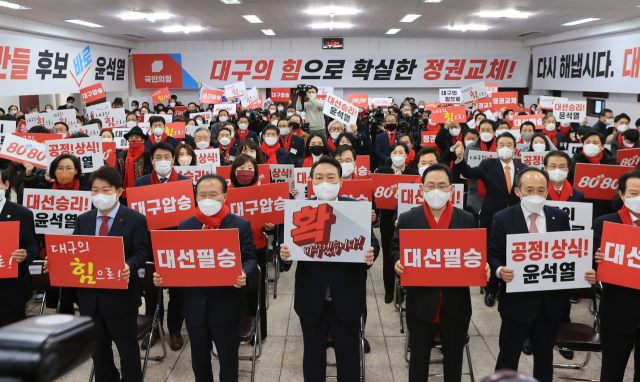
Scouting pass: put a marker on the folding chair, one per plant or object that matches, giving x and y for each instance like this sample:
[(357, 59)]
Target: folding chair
[(41, 281), (438, 344), (580, 337), (399, 301), (362, 354), (272, 257)]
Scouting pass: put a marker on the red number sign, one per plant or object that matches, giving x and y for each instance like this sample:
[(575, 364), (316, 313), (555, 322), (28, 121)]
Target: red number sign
[(621, 264), (359, 100), (598, 181), (385, 189), (160, 95), (360, 190), (280, 94), (629, 157), (259, 204), (10, 238), (164, 205)]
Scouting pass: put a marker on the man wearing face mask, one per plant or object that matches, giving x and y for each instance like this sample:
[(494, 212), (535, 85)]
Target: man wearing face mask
[(527, 130), (61, 128), (135, 161), (507, 115), (158, 133), (271, 149), (528, 314), (290, 142), (117, 103), (549, 123), (605, 120), (621, 123), (227, 146), (556, 164), (313, 111), (68, 105), (433, 309), (202, 137), (630, 139), (243, 131), (330, 296), (296, 127), (223, 118), (387, 139), (448, 136)]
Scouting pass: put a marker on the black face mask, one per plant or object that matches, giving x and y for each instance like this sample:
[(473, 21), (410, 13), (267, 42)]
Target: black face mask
[(316, 150), (295, 125), (391, 126)]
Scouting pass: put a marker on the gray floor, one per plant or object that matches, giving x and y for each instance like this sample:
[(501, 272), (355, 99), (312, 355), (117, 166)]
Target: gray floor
[(282, 352)]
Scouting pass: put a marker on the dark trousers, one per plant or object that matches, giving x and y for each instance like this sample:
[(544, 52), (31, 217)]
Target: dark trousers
[(67, 296), (174, 316), (346, 342), (227, 340), (543, 334), (252, 298), (8, 317), (387, 228), (123, 330), (616, 348), (493, 285), (422, 334)]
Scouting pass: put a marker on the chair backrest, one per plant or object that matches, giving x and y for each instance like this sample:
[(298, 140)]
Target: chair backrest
[(39, 280), (587, 293), (146, 277), (254, 285)]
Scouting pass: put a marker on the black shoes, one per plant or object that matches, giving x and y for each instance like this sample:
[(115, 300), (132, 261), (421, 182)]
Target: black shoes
[(526, 348), (489, 299), (388, 298), (367, 348)]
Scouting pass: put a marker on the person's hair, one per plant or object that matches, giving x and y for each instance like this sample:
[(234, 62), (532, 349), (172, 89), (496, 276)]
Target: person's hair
[(325, 146), (582, 130), (220, 179), (475, 117), (270, 127), (109, 131), (106, 173), (506, 135), (604, 111), (392, 115), (54, 165), (349, 136), (546, 118), (428, 150), (224, 129), (486, 121), (438, 167), (15, 174), (622, 182), (557, 153), (63, 124), (144, 107), (3, 177), (398, 143), (521, 173), (134, 102), (637, 122), (341, 149), (252, 145), (620, 116), (189, 149), (79, 134), (161, 146), (239, 161), (406, 135), (591, 133), (202, 128), (528, 123), (547, 147), (501, 122), (632, 135), (39, 130), (33, 107), (242, 115), (221, 110), (71, 98), (475, 132), (313, 87), (328, 160), (192, 103), (155, 119)]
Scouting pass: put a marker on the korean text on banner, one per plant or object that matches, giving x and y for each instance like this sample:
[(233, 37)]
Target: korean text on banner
[(546, 102), (111, 118), (211, 96), (282, 173), (22, 150), (93, 108), (160, 95), (410, 195), (340, 110), (385, 189), (384, 102), (205, 258), (570, 111), (536, 119), (56, 211), (118, 137), (209, 157), (580, 214), (301, 178), (504, 99), (39, 137), (280, 94), (533, 158), (164, 205), (109, 152), (207, 115), (6, 128), (629, 157), (363, 163), (360, 190), (621, 263), (477, 156), (473, 92), (259, 204), (324, 91), (450, 96), (193, 172), (549, 261), (87, 150), (10, 238), (178, 111), (250, 97), (175, 130), (235, 90), (439, 258), (359, 100), (492, 87), (92, 130), (598, 181), (93, 93), (229, 107), (327, 231), (449, 114)]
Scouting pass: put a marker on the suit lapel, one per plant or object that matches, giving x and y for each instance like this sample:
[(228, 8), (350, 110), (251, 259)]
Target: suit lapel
[(502, 180), (421, 219), (118, 222), (519, 220), (5, 214), (91, 226)]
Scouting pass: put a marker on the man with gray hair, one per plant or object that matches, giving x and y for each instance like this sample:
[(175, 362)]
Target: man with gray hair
[(549, 123), (202, 137)]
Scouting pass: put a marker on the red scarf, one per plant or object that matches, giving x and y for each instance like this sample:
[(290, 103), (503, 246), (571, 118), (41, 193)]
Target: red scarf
[(270, 152), (482, 190), (332, 147), (433, 128), (410, 157), (621, 142), (392, 139), (308, 161), (212, 222), (242, 134), (173, 177), (457, 139), (286, 143), (625, 216), (228, 149), (73, 185), (595, 160), (551, 135), (299, 132), (162, 139), (566, 192), (129, 172), (565, 131)]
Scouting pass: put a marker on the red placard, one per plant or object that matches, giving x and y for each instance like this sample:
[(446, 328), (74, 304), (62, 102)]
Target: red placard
[(621, 264), (10, 239), (385, 189), (629, 157), (204, 258), (264, 175), (178, 112), (175, 129), (164, 205), (281, 94), (22, 126), (437, 257), (141, 118), (449, 114), (431, 106), (259, 204), (492, 87), (360, 190), (211, 96), (359, 100), (363, 166), (598, 181), (503, 99), (40, 137), (86, 261), (160, 95), (535, 118), (109, 151), (485, 104), (93, 93), (428, 138)]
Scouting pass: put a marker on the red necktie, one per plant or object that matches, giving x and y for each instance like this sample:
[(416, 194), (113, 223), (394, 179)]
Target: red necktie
[(534, 227), (104, 227)]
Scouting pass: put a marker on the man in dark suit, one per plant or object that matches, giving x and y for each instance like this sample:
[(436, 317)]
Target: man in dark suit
[(158, 134), (68, 105), (619, 306), (385, 140), (605, 119), (556, 164), (271, 149), (431, 308), (291, 143), (214, 313), (535, 314), (16, 292), (330, 296), (498, 177)]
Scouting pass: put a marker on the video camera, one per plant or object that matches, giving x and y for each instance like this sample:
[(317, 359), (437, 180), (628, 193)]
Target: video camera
[(378, 116), (301, 90), (255, 115)]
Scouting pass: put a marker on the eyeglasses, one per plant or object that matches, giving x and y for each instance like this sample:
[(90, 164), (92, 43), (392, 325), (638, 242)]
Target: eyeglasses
[(442, 187), (346, 161), (68, 169)]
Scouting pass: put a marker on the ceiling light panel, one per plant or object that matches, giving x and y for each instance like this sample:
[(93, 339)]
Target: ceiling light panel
[(393, 31), (84, 23), (253, 19), (580, 21), (12, 5), (333, 10), (409, 18), (268, 32)]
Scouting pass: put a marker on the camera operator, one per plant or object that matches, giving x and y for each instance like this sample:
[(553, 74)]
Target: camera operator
[(312, 108), (409, 120)]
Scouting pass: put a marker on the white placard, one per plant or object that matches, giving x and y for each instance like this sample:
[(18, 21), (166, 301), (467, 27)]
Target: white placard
[(67, 116), (549, 261), (207, 115), (111, 118), (473, 92), (572, 148), (193, 172), (167, 117), (580, 213), (6, 128), (250, 97), (191, 130), (384, 102), (234, 90), (22, 150), (39, 119), (547, 101), (533, 159), (208, 157), (410, 195), (477, 156), (92, 130), (450, 96), (471, 123), (282, 173), (87, 150), (324, 91), (93, 108), (301, 178), (118, 138), (340, 110), (55, 211), (520, 148), (229, 107), (570, 111)]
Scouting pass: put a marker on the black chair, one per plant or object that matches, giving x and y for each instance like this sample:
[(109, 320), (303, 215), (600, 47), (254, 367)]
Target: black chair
[(362, 354), (272, 257), (438, 344), (41, 281), (400, 296)]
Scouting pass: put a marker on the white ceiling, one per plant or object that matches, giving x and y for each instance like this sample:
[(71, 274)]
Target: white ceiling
[(288, 20)]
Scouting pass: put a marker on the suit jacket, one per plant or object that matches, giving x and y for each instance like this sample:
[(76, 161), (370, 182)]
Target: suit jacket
[(282, 156), (422, 302), (132, 227), (170, 140), (145, 180), (524, 306), (16, 292), (383, 148), (601, 127), (188, 140), (296, 149), (226, 304), (498, 197), (223, 152), (251, 135)]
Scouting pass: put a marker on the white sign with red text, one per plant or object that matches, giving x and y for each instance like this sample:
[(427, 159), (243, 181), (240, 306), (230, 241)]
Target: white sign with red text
[(111, 118), (301, 176), (410, 195), (87, 150), (92, 130), (229, 107), (570, 111), (477, 156), (22, 150), (384, 102), (250, 97), (474, 91), (235, 90), (340, 110), (208, 157), (546, 102)]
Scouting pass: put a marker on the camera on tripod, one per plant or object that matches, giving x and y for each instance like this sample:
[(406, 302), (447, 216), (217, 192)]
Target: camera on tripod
[(301, 90), (255, 115), (379, 116)]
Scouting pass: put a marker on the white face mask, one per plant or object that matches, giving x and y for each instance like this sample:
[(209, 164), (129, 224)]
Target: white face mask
[(509, 118), (104, 202), (436, 199), (633, 204), (347, 169), (565, 124), (505, 153), (198, 122), (2, 191), (225, 141), (209, 207), (172, 104), (243, 126), (623, 128), (539, 147), (131, 124), (274, 122), (335, 135), (270, 141), (202, 145), (157, 131), (289, 114), (422, 169), (486, 137), (326, 190), (49, 110), (609, 121), (398, 161), (251, 155), (312, 95), (550, 126), (280, 108), (223, 118), (533, 203), (432, 123), (558, 175), (163, 167), (629, 145), (420, 106), (454, 132), (469, 142), (591, 150), (271, 111), (13, 112), (105, 139), (69, 104), (533, 109), (284, 131)]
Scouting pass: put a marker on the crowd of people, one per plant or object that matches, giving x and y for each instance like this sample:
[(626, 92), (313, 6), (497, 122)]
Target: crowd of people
[(502, 195)]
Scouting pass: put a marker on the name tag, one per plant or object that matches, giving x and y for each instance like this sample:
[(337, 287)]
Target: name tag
[(293, 151)]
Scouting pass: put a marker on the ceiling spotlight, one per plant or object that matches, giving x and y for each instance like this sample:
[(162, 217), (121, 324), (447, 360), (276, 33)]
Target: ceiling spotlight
[(393, 31), (253, 19), (409, 18), (268, 32)]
